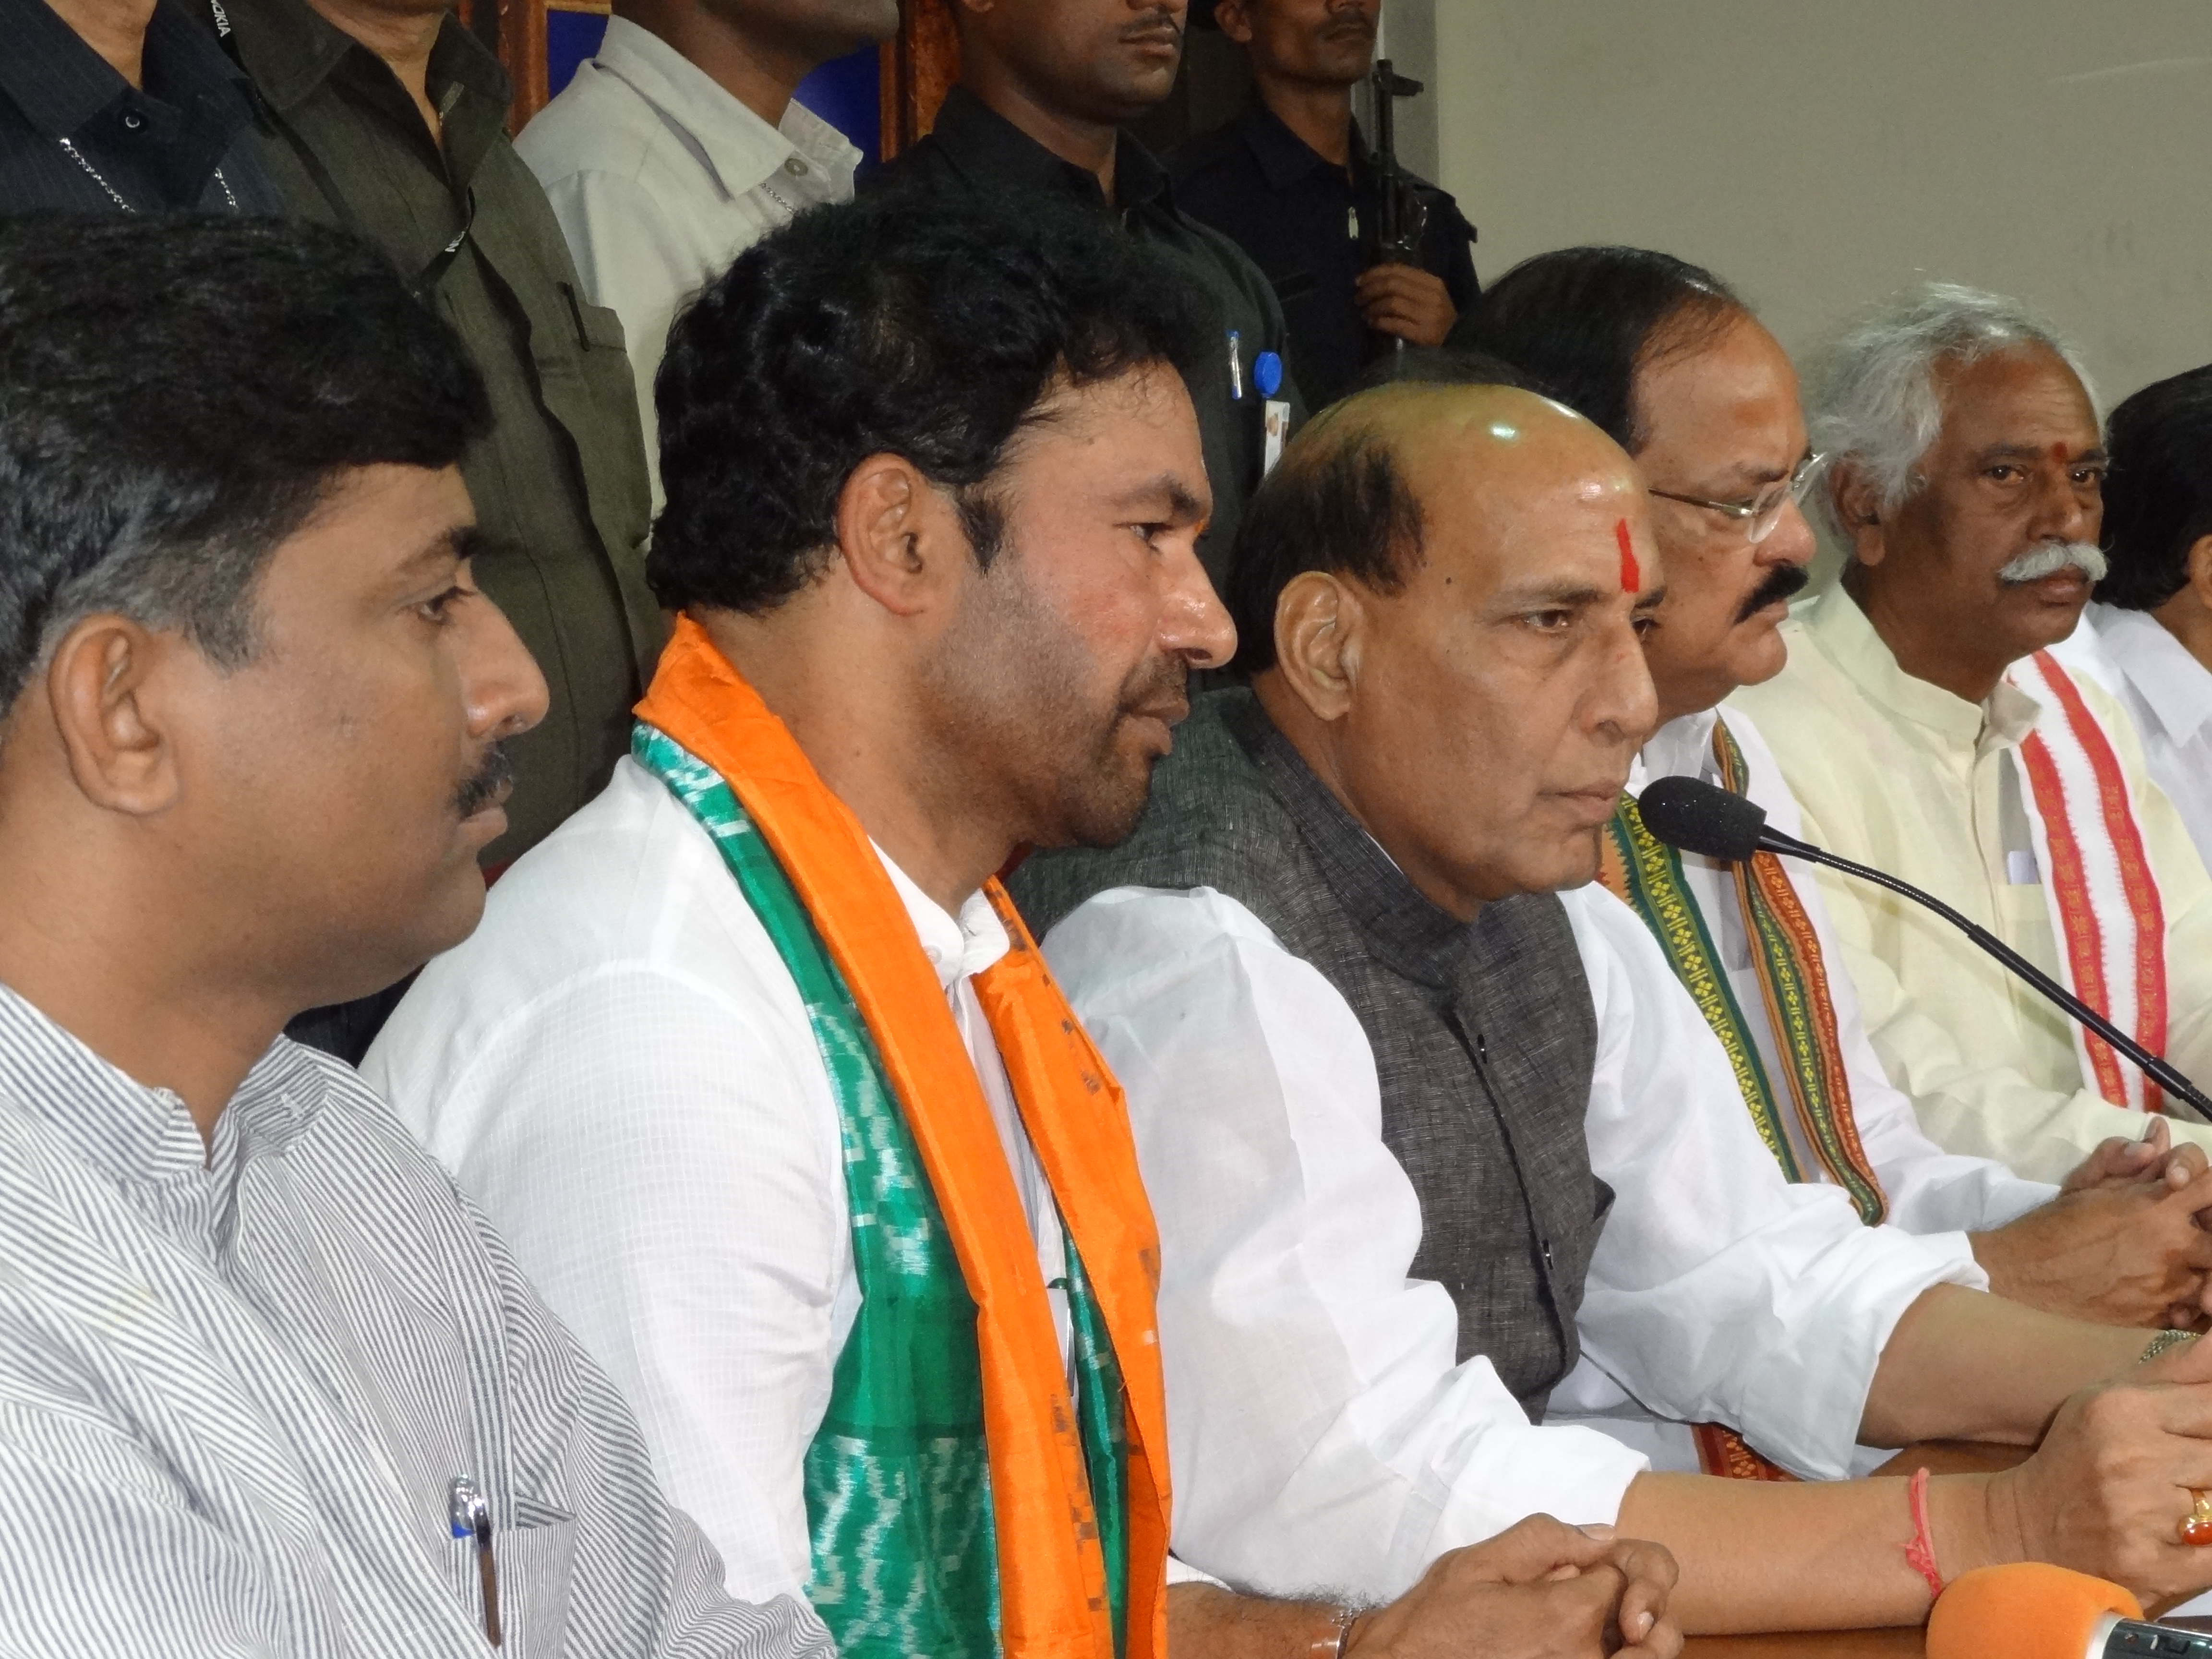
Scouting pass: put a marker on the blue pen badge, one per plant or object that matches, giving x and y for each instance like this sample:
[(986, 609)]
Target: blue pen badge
[(1236, 366), (1267, 373)]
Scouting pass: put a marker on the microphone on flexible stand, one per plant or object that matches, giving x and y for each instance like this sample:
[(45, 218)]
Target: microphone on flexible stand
[(1696, 816)]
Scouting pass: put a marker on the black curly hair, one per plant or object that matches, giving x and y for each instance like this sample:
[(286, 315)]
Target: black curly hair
[(2158, 493), (1580, 322), (902, 323)]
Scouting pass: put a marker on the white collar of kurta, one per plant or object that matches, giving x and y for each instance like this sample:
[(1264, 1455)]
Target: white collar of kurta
[(743, 150), (959, 947), (1835, 622), (1682, 747), (2178, 687)]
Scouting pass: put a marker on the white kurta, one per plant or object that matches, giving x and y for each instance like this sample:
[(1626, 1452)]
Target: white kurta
[(617, 1068), (1901, 775), (660, 178), (1931, 1191), (1322, 1431), (2168, 695)]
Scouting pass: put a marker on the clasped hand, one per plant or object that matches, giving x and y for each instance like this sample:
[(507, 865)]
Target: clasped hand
[(1539, 1590), (2122, 1244)]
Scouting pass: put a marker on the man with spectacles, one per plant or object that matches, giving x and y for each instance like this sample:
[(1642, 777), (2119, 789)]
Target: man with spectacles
[(1926, 728), (1680, 374), (1419, 1127)]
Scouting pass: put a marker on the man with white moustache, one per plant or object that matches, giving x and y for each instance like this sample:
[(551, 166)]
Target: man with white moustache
[(1421, 1127), (1682, 375), (1926, 728)]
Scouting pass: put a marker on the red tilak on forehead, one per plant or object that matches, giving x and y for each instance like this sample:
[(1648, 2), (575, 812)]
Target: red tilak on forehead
[(1632, 577)]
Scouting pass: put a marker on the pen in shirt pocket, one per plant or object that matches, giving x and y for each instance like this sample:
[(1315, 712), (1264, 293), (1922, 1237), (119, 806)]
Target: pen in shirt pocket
[(470, 1517)]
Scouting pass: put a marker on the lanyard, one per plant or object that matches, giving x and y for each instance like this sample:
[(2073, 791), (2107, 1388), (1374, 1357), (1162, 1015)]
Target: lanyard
[(426, 281)]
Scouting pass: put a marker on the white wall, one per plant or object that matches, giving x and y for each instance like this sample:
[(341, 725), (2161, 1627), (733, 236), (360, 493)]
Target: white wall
[(1817, 155), (1406, 35)]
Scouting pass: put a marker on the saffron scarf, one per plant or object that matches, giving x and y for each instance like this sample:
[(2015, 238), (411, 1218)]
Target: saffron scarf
[(2097, 880), (1053, 1461)]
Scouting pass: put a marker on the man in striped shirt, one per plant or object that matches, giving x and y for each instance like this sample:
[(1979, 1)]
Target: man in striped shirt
[(268, 1385)]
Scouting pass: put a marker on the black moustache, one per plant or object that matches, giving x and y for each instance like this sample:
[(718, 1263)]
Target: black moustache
[(479, 791), (1786, 581)]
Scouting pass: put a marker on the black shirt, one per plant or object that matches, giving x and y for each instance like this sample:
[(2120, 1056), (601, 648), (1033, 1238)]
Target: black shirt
[(1313, 231), (156, 149), (974, 149)]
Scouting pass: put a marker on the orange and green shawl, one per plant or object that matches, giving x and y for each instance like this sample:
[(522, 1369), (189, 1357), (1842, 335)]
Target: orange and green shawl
[(962, 1501)]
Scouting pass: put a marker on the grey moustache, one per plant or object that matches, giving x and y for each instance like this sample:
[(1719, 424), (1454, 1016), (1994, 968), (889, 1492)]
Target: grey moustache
[(2052, 557)]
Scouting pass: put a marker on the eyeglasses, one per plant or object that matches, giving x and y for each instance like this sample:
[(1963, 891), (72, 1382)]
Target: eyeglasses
[(1762, 511)]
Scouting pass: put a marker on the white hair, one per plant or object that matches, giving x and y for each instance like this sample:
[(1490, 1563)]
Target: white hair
[(1874, 398)]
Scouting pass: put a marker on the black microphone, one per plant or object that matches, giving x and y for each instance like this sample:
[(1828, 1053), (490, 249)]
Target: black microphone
[(1697, 817)]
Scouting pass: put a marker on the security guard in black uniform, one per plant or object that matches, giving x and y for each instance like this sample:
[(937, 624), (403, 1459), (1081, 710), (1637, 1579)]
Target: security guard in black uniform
[(1045, 86), (1293, 183)]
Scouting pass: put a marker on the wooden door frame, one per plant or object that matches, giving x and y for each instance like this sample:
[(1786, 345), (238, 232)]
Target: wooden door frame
[(918, 66)]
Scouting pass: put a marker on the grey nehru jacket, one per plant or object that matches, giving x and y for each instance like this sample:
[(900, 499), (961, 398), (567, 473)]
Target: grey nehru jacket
[(236, 1383), (1484, 1036)]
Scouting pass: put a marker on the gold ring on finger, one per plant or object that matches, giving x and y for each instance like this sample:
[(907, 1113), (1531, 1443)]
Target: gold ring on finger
[(2196, 1528)]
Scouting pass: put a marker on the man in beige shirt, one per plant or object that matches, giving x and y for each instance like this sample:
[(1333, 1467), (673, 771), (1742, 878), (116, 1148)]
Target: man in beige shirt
[(1968, 463)]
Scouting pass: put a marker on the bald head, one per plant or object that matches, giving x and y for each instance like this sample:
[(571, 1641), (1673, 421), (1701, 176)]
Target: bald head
[(1456, 578), (1368, 483)]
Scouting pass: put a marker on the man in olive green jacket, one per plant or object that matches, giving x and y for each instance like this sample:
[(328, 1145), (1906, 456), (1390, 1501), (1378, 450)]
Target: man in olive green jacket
[(387, 117)]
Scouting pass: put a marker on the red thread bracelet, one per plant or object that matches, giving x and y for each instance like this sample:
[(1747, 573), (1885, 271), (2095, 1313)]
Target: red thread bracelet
[(1920, 1553)]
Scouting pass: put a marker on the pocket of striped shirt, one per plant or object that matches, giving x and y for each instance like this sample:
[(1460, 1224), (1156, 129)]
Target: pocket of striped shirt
[(533, 1546)]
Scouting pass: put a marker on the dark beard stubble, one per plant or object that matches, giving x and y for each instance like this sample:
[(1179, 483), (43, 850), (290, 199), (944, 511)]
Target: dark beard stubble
[(1006, 695)]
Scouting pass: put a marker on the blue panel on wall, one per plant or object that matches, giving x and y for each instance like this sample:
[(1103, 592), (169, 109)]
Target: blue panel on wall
[(844, 92), (570, 38)]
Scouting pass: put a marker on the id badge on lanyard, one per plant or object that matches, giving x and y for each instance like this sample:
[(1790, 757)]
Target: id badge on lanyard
[(1266, 380)]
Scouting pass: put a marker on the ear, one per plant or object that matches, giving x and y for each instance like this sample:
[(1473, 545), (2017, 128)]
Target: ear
[(902, 542), (1321, 623), (1856, 502), (1231, 17), (102, 689), (2198, 564)]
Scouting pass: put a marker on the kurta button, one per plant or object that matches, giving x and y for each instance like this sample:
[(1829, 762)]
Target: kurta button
[(1547, 1252), (1481, 1048), (795, 167)]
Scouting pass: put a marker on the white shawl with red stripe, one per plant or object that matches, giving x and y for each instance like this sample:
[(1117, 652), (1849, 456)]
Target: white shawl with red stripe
[(2106, 911)]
